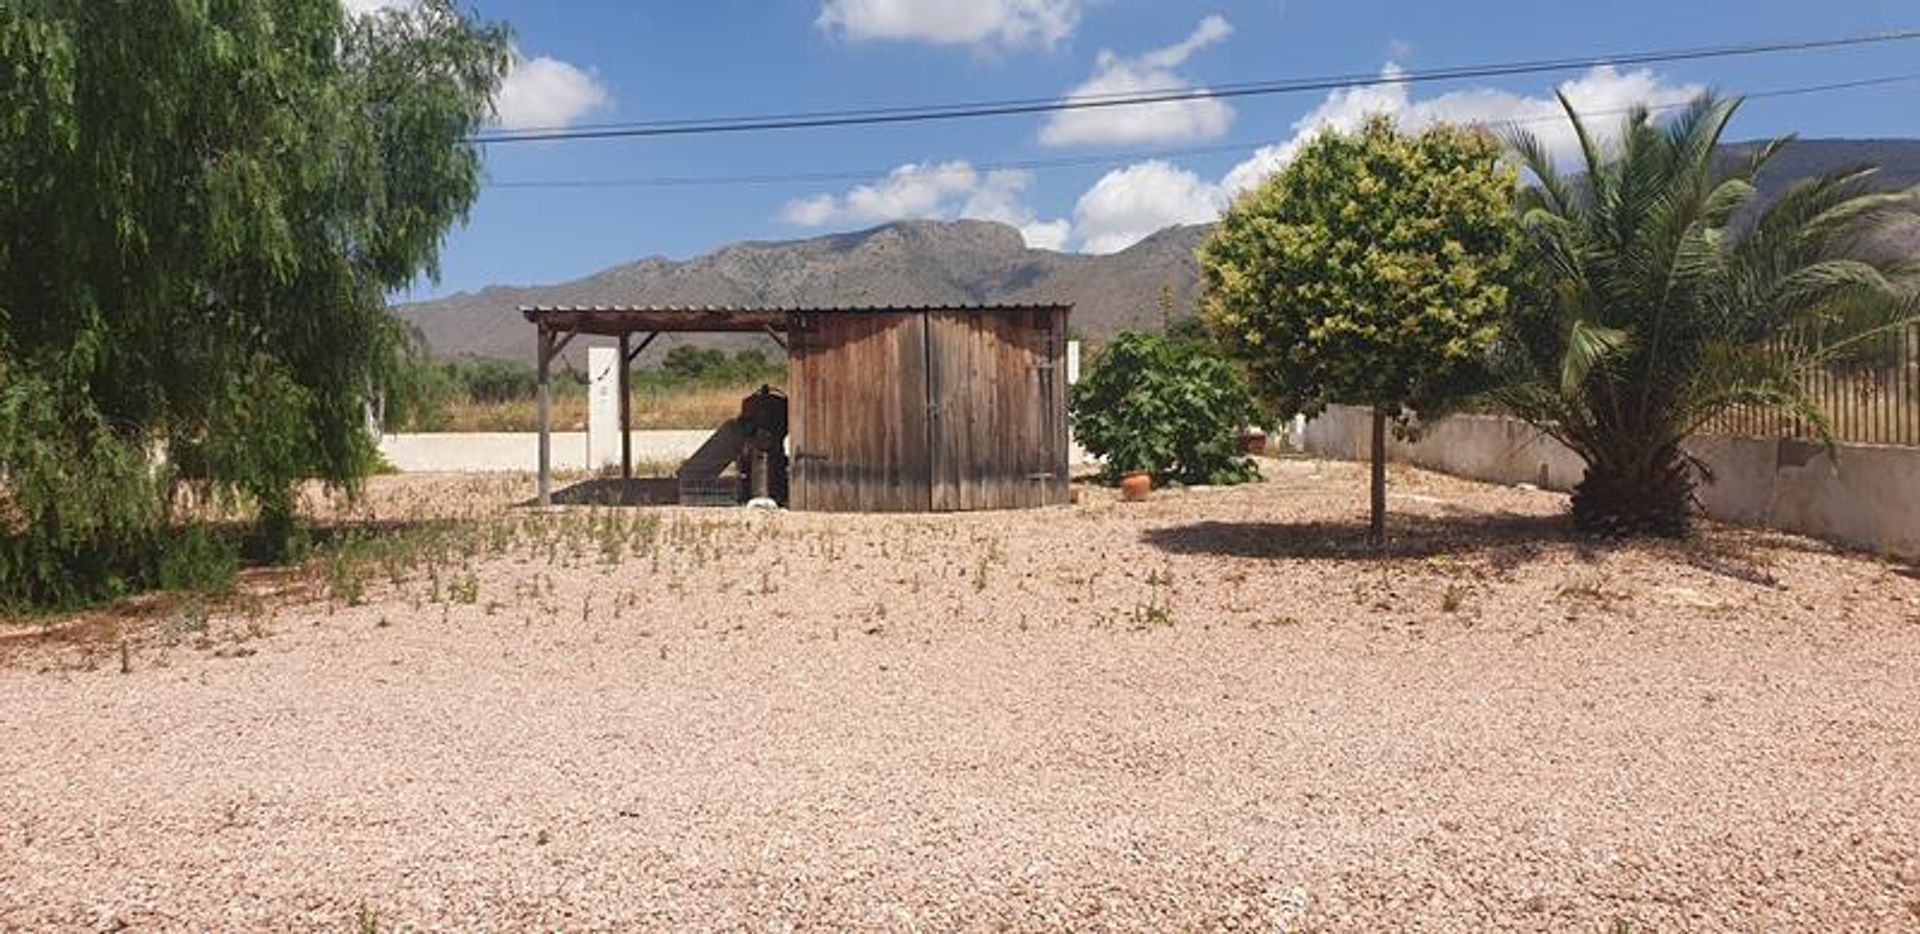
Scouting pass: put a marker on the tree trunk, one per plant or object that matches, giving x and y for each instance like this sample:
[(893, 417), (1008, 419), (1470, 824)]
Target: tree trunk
[(1377, 522), (1637, 497)]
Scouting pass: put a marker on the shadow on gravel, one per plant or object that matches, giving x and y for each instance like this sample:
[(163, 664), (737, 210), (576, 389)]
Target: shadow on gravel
[(1507, 540), (1510, 538), (651, 491)]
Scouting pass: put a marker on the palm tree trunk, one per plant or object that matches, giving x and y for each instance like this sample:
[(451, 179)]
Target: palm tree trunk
[(1377, 524), (1647, 495)]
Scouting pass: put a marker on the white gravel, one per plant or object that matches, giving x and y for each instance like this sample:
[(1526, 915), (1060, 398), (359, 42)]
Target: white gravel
[(1209, 711)]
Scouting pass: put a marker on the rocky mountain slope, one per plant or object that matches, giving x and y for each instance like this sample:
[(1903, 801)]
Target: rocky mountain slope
[(917, 262)]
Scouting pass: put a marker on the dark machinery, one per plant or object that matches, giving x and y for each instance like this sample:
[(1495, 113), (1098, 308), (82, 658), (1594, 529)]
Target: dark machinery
[(762, 464)]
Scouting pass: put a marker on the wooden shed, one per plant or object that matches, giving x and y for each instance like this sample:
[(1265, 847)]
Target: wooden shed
[(890, 409)]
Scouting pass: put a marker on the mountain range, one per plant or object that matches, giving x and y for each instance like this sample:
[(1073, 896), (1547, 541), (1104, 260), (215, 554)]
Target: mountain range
[(963, 261)]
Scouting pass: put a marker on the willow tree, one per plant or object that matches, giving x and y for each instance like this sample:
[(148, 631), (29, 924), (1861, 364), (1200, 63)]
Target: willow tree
[(204, 209), (1668, 297), (1373, 270)]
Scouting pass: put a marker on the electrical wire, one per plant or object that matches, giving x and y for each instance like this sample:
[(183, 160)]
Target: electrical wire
[(844, 175), (894, 115)]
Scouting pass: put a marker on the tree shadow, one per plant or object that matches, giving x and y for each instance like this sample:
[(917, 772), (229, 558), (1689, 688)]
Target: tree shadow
[(1507, 540), (1507, 537)]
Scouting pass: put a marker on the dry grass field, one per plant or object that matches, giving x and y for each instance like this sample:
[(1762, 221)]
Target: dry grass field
[(686, 407), (1213, 710)]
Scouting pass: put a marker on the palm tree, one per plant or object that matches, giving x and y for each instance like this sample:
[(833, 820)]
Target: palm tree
[(1664, 298)]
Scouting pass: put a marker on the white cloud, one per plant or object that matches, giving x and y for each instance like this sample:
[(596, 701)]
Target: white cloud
[(538, 93), (1603, 92), (943, 191), (1180, 120), (363, 7), (1128, 205), (985, 23), (546, 92)]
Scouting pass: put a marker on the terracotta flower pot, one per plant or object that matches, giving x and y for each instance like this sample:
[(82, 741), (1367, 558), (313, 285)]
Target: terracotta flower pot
[(1253, 442), (1135, 485)]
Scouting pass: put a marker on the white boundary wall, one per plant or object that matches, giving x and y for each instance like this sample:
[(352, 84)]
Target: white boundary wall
[(481, 452), (1865, 496)]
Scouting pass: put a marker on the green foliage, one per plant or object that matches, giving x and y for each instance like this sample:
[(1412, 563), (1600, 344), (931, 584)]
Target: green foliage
[(1373, 270), (1172, 408), (690, 364), (199, 560), (205, 207), (1665, 298)]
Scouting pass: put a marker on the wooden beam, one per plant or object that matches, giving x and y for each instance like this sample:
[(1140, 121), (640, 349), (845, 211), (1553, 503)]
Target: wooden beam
[(643, 345), (776, 337), (626, 410), (565, 339), (544, 365)]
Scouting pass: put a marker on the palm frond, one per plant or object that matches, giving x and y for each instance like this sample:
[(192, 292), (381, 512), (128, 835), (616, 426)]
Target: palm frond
[(1554, 192), (1589, 346)]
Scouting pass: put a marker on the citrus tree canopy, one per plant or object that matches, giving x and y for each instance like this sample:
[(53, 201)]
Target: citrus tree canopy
[(205, 206), (1374, 270)]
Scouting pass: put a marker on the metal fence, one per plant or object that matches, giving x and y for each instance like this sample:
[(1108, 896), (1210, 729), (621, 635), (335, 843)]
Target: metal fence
[(1871, 395)]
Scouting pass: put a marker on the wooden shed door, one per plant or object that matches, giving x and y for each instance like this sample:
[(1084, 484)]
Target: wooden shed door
[(858, 390), (998, 403)]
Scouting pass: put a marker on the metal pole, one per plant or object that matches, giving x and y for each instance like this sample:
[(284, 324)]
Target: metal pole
[(544, 365), (626, 408)]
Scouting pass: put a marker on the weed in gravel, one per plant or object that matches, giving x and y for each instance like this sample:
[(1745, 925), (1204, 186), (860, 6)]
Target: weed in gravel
[(465, 590), (1453, 598), (1157, 610), (192, 620)]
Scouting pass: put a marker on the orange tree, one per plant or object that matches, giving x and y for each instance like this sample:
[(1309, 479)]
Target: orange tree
[(1374, 270)]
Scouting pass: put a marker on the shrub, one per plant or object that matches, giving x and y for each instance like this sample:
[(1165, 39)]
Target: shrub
[(199, 561), (1171, 408)]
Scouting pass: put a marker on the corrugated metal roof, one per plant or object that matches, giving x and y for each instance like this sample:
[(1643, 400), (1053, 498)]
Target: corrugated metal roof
[(789, 309)]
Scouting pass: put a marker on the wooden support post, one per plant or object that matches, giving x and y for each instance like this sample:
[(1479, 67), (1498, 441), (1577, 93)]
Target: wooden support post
[(544, 364), (626, 411)]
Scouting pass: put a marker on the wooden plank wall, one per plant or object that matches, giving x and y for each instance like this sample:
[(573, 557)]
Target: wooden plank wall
[(857, 390), (998, 385)]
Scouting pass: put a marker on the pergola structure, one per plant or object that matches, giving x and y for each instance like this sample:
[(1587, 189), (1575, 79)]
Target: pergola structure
[(558, 325), (888, 408)]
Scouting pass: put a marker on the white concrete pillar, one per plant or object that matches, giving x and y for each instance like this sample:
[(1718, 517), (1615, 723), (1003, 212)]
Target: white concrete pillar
[(1074, 454), (603, 407)]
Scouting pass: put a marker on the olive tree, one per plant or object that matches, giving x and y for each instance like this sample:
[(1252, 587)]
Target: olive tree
[(1373, 270), (206, 205)]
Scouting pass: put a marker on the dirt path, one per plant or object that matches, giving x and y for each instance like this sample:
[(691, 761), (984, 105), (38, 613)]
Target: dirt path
[(1210, 710)]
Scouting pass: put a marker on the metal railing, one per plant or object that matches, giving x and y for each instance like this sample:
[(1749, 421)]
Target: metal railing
[(1871, 395)]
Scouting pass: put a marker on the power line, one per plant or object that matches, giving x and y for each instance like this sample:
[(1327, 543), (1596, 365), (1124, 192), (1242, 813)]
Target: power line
[(842, 175), (919, 114)]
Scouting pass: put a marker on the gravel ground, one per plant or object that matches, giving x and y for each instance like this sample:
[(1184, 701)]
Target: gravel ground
[(1209, 711)]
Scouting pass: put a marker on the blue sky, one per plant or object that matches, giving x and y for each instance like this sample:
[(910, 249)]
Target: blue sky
[(594, 61)]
